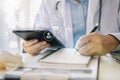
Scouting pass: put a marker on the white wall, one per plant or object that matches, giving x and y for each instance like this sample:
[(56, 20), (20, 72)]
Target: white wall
[(15, 14)]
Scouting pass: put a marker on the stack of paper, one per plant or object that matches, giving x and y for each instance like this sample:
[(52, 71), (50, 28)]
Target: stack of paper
[(66, 57), (33, 69)]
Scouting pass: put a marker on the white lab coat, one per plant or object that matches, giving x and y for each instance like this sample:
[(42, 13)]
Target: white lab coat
[(59, 21)]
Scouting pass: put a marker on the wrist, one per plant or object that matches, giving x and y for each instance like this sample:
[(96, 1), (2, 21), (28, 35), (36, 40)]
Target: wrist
[(114, 42)]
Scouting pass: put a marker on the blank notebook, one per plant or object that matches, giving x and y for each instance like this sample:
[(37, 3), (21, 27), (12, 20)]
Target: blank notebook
[(66, 57)]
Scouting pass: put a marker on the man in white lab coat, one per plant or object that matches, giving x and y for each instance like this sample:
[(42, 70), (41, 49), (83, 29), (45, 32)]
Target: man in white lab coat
[(55, 15)]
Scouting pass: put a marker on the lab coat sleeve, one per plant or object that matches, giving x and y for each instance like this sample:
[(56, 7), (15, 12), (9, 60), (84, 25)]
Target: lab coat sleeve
[(42, 18), (117, 35)]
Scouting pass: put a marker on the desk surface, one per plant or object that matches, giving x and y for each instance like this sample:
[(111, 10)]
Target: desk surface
[(108, 70)]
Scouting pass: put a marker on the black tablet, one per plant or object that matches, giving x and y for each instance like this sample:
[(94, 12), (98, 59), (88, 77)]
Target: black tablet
[(41, 35)]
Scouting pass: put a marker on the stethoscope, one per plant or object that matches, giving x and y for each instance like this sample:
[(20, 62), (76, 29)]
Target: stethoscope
[(100, 12), (57, 4)]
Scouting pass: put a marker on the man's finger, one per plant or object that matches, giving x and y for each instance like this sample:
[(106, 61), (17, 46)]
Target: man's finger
[(86, 48), (41, 45), (91, 52), (36, 47), (30, 42), (82, 41)]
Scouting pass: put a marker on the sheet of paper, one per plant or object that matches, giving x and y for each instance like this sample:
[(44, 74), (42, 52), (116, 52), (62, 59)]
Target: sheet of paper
[(67, 56)]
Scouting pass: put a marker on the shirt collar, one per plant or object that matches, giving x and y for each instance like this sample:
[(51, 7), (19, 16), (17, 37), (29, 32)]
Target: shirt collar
[(81, 1)]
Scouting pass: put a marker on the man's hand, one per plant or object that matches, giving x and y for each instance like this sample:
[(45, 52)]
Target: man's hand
[(97, 44), (33, 46)]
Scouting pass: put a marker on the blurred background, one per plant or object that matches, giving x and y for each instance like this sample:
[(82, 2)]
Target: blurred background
[(15, 14)]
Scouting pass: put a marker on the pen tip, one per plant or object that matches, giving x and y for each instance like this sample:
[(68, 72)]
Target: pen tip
[(97, 24)]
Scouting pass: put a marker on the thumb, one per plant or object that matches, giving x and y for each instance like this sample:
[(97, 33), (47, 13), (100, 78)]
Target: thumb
[(30, 42), (82, 41)]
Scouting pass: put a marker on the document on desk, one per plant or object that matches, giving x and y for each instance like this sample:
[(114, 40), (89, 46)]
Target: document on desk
[(48, 73), (34, 71), (66, 57)]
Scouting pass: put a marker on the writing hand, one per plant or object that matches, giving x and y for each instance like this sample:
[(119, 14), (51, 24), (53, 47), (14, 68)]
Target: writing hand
[(98, 45)]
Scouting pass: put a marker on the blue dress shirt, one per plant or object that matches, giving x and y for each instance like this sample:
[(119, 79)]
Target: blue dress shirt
[(79, 17)]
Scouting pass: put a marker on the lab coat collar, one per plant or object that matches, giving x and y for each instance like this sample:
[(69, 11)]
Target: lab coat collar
[(93, 4), (65, 12), (93, 7)]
